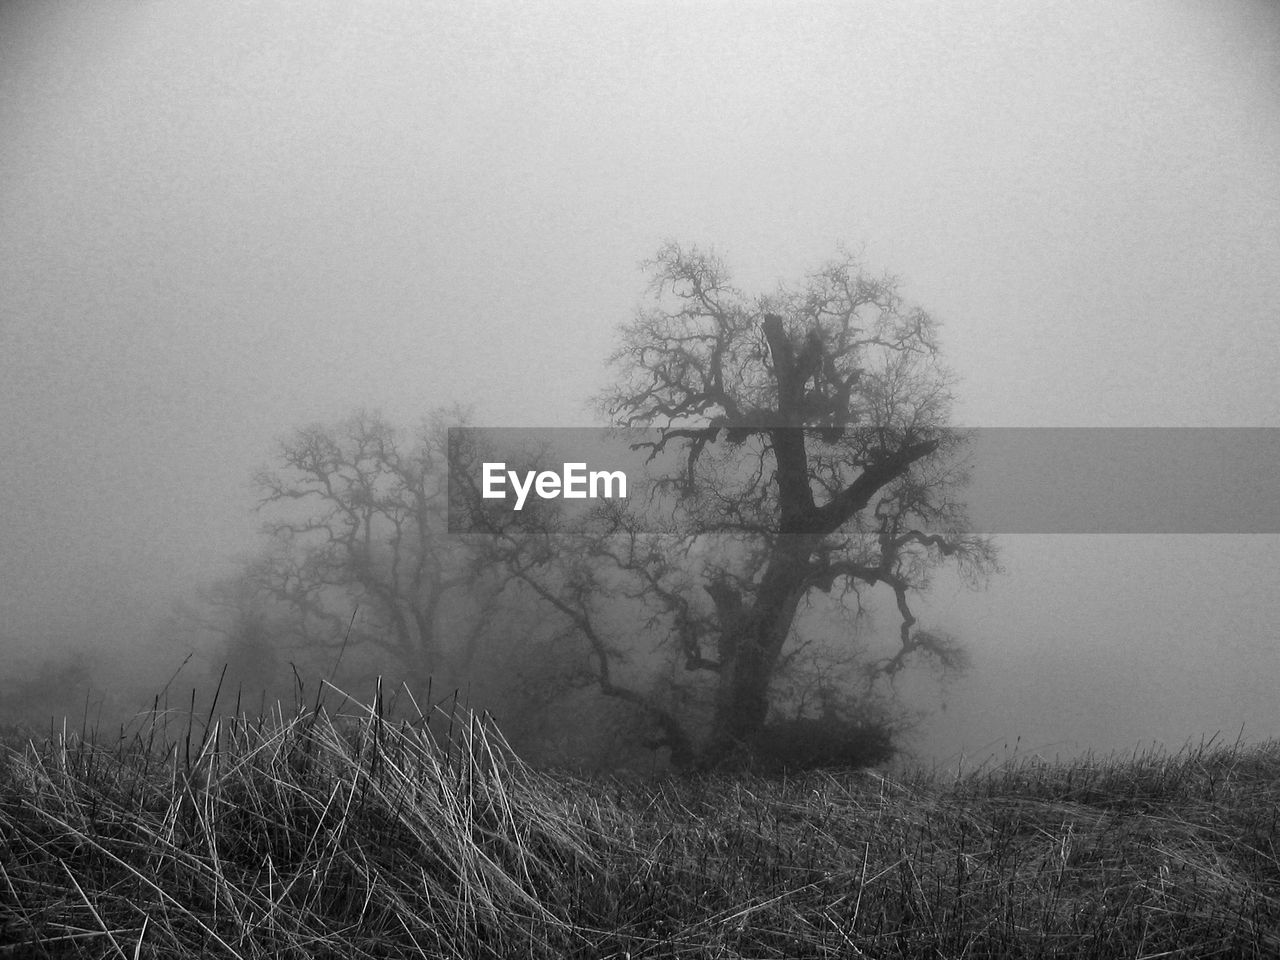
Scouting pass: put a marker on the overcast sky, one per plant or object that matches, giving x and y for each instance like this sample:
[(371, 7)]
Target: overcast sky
[(222, 221)]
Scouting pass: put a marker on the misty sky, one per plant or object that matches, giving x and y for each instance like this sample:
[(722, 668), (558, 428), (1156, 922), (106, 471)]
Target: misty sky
[(222, 221)]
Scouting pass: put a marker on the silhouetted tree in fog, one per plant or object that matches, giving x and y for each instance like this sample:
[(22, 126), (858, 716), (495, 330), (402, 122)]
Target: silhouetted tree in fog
[(359, 568), (802, 451), (356, 521)]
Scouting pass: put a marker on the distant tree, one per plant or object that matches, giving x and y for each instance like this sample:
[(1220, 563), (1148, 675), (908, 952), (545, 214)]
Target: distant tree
[(248, 661), (357, 523), (801, 451)]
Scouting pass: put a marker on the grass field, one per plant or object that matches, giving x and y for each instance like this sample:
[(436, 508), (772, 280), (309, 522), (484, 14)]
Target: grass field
[(306, 836)]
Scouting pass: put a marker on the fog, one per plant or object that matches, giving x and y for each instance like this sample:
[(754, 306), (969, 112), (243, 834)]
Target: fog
[(219, 223)]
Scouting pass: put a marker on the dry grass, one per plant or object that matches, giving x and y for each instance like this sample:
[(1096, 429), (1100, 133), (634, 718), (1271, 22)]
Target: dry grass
[(309, 836)]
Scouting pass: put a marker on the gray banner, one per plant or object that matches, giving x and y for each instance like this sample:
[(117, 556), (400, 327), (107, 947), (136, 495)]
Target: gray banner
[(1022, 480)]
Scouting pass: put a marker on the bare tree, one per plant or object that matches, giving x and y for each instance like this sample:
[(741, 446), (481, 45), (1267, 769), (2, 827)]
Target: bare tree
[(357, 522), (801, 450)]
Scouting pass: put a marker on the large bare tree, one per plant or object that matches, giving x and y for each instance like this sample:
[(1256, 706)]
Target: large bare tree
[(800, 450)]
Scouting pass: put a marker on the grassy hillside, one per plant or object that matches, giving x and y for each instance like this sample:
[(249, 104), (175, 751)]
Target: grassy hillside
[(309, 837)]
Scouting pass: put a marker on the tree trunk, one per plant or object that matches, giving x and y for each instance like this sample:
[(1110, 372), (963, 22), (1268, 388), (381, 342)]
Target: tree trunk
[(754, 645)]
